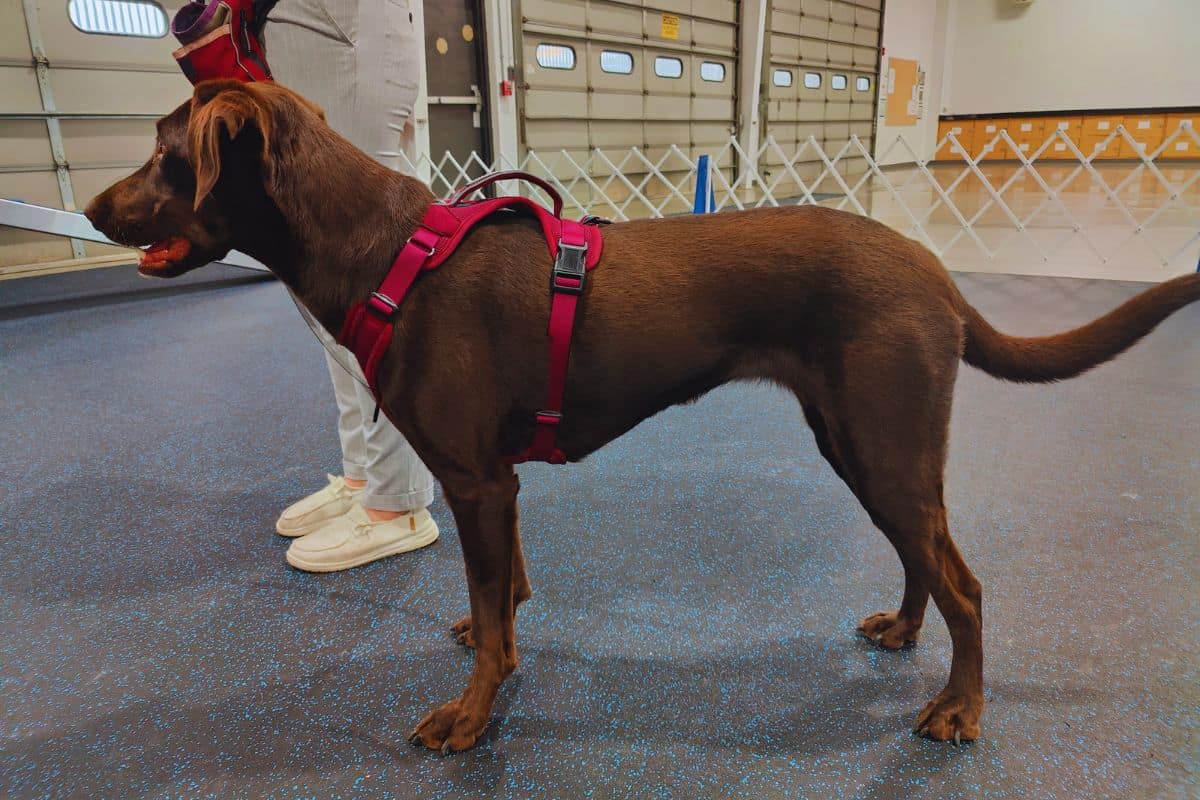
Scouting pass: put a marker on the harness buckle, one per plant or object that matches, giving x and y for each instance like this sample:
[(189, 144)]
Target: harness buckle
[(548, 417), (389, 306), (570, 268)]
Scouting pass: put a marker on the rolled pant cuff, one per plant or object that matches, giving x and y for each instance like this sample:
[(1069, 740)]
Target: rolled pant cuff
[(406, 501), (355, 472)]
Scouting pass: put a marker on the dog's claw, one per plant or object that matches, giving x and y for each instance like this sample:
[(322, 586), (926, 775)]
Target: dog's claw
[(446, 749), (957, 738), (414, 738)]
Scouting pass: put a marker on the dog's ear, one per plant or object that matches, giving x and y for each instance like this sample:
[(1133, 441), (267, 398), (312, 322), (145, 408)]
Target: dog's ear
[(220, 111)]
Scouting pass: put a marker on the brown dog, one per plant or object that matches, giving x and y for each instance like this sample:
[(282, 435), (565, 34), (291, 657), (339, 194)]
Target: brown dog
[(861, 323)]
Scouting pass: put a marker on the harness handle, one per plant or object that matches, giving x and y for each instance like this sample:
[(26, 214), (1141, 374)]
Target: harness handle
[(510, 175)]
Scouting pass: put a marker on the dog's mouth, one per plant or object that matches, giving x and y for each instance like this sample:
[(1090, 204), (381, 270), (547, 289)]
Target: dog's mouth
[(161, 258)]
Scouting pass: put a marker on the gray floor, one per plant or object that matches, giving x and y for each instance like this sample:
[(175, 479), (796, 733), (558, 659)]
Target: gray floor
[(696, 583)]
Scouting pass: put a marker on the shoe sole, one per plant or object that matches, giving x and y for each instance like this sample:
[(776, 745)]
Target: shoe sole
[(420, 538)]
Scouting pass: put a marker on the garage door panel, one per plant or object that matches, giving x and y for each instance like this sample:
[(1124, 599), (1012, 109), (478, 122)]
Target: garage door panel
[(607, 105), (611, 19), (65, 43), (20, 89), (640, 109), (810, 111), (107, 140), (841, 54), (564, 13), (712, 108), (814, 28), (40, 188), (615, 136), (552, 134), (865, 36), (785, 48), (866, 18), (815, 8), (714, 35), (23, 143), (710, 136), (27, 247), (842, 13), (100, 91), (14, 40), (541, 77), (666, 107), (861, 110), (837, 112), (713, 88), (667, 133), (786, 23), (861, 129), (652, 22), (551, 103), (721, 10), (813, 51), (866, 58)]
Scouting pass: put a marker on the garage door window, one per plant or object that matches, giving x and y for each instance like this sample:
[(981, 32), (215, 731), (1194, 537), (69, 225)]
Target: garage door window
[(838, 82), (812, 80), (667, 67), (712, 71), (616, 61), (782, 77), (555, 56), (119, 17), (862, 84)]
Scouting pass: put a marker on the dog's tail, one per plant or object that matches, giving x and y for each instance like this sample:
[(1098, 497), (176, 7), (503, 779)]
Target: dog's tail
[(1043, 359)]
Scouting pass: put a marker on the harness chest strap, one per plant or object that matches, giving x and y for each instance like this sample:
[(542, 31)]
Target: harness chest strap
[(575, 248)]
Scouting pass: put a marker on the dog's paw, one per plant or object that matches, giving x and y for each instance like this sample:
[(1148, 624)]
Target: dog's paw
[(890, 631), (950, 717), (461, 631), (448, 728)]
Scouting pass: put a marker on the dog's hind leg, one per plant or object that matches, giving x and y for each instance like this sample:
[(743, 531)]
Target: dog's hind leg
[(885, 428), (888, 629), (486, 514), (522, 591)]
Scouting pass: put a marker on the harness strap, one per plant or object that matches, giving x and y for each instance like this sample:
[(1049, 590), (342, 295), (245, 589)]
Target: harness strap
[(575, 248), (566, 285)]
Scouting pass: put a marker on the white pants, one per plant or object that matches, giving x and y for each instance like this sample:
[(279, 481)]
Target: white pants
[(360, 62)]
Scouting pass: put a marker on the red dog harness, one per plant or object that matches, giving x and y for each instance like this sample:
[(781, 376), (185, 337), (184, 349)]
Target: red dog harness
[(574, 246)]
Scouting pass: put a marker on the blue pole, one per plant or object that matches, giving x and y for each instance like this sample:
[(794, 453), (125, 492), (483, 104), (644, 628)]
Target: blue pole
[(703, 202)]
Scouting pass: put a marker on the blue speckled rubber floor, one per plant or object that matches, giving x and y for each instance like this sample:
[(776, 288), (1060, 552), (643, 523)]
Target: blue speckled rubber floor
[(696, 584)]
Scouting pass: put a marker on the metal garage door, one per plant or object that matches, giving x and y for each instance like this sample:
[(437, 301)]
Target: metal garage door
[(89, 120), (820, 82), (619, 75)]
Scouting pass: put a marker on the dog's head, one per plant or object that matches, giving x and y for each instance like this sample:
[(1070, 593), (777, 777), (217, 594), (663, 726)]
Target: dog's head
[(216, 162)]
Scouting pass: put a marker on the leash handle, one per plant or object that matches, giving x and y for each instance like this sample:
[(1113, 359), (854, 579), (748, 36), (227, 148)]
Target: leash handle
[(510, 175)]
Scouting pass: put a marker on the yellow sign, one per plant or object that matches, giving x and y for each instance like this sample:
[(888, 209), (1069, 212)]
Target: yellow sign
[(670, 26)]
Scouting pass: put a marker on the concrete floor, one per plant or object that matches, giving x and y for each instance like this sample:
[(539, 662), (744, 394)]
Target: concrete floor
[(696, 583)]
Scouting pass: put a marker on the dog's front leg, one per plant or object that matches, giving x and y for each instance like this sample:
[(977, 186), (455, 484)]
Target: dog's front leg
[(486, 514)]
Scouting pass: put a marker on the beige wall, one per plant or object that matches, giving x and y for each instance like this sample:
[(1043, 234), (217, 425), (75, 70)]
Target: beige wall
[(1060, 55), (914, 30)]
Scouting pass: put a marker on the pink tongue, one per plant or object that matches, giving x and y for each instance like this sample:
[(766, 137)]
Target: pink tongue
[(162, 253)]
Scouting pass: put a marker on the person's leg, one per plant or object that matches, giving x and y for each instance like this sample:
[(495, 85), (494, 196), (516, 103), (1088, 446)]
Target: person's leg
[(358, 61), (334, 500), (396, 480)]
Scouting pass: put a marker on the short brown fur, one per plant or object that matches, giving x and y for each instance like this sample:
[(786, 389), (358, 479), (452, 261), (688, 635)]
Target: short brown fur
[(861, 323)]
